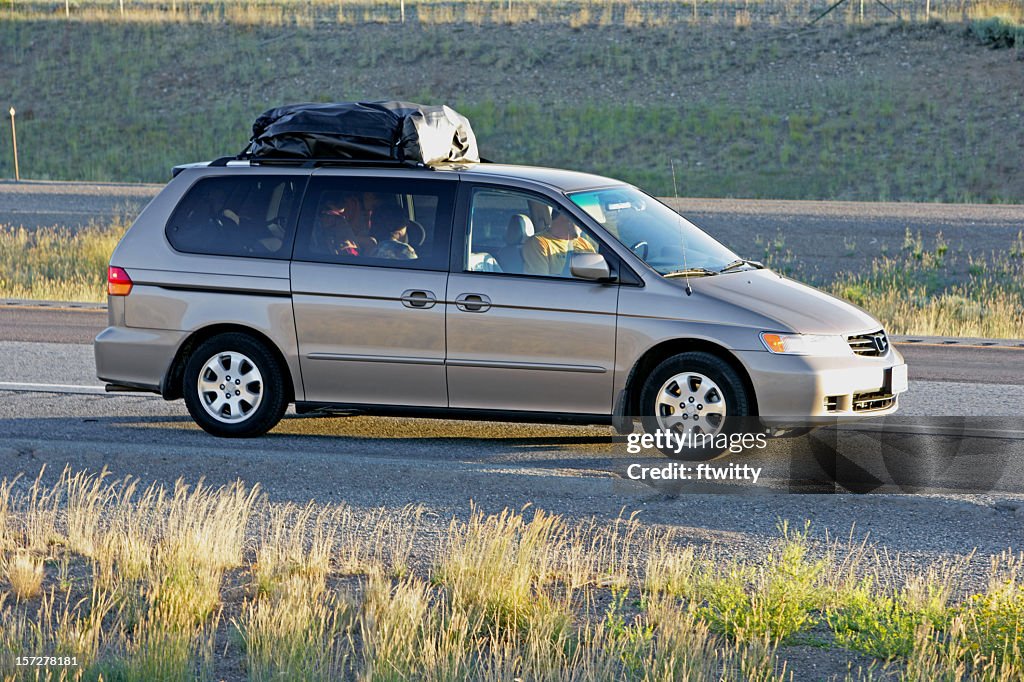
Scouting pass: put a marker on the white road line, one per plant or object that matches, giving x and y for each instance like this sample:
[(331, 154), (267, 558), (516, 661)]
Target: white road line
[(51, 388), (60, 211)]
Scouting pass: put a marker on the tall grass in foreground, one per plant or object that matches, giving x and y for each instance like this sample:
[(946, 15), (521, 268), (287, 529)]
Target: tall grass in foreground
[(183, 583)]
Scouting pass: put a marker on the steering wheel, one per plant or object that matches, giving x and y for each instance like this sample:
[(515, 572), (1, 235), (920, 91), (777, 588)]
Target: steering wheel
[(415, 234), (642, 244)]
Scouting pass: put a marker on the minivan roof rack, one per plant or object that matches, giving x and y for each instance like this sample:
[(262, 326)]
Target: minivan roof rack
[(319, 163)]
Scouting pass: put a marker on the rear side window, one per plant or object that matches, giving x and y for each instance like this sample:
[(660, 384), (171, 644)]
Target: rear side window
[(251, 216), (382, 222)]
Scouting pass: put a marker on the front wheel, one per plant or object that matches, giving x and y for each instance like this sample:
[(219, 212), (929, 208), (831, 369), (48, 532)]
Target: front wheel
[(234, 387), (695, 398)]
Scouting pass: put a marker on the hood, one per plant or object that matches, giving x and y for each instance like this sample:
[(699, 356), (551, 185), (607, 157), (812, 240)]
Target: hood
[(791, 305)]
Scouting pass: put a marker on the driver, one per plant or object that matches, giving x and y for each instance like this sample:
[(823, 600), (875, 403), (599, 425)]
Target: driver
[(547, 253)]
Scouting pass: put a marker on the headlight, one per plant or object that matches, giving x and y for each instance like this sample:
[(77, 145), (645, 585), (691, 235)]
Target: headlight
[(806, 344)]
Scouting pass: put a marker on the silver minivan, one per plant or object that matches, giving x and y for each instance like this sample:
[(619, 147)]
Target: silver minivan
[(479, 291)]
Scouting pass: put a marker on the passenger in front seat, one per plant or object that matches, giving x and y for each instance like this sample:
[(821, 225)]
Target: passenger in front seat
[(548, 253)]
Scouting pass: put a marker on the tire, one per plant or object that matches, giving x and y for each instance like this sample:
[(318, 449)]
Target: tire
[(245, 410), (712, 392)]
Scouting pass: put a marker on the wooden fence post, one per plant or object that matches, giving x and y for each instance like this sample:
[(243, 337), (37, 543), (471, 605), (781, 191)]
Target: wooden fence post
[(14, 141)]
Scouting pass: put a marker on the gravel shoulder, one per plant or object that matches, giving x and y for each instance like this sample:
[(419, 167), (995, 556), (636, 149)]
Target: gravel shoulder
[(447, 467)]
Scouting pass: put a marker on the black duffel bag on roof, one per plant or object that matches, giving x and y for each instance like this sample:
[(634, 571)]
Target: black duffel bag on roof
[(399, 131)]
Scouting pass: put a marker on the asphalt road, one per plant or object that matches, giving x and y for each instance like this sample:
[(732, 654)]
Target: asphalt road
[(57, 325), (37, 203)]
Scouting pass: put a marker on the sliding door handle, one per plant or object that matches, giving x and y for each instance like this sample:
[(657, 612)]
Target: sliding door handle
[(415, 298), (473, 303)]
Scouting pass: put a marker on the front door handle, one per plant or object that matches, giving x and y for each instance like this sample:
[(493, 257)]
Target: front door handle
[(416, 298), (473, 303)]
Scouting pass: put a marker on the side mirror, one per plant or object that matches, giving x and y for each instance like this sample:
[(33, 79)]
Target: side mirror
[(587, 265)]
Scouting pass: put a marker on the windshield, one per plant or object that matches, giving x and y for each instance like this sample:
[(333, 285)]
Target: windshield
[(653, 231)]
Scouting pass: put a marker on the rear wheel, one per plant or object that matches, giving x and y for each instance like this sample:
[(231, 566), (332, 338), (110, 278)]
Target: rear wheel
[(234, 387), (695, 397)]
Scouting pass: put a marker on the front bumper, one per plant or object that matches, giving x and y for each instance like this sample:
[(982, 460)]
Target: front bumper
[(793, 389)]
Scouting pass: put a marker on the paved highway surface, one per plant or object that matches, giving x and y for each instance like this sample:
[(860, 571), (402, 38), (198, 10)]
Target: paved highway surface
[(36, 203)]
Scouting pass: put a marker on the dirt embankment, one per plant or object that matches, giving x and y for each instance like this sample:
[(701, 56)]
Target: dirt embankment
[(908, 112)]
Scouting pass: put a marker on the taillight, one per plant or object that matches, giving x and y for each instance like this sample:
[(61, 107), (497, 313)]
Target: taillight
[(118, 282)]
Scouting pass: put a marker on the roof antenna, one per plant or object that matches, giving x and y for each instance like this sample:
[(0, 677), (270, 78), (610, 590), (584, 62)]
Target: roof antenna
[(682, 243)]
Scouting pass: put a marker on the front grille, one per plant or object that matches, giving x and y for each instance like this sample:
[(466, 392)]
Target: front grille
[(873, 344), (869, 402), (831, 403)]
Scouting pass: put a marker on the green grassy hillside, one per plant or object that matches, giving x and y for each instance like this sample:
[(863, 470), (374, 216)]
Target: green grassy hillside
[(889, 111)]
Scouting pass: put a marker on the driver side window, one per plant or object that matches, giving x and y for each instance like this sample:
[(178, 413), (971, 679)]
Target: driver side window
[(522, 234)]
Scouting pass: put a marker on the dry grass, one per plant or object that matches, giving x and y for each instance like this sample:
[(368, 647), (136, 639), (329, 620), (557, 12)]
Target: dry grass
[(24, 573), (295, 547), (501, 12), (1011, 10), (297, 633), (57, 264), (57, 623), (6, 537), (169, 584), (494, 568), (939, 291)]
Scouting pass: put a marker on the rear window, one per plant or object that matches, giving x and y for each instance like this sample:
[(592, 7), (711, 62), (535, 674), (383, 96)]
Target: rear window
[(251, 216)]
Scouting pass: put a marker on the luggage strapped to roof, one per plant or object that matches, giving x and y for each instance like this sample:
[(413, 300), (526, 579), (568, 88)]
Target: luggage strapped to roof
[(401, 132)]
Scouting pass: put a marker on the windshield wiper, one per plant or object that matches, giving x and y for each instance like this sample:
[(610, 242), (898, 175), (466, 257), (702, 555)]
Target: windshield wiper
[(739, 262), (690, 272)]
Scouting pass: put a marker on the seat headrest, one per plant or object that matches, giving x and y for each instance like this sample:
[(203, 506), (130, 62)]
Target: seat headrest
[(519, 228)]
